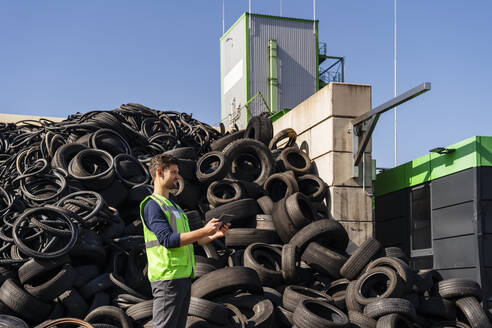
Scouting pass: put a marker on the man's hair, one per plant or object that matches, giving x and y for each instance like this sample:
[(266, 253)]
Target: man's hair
[(162, 161)]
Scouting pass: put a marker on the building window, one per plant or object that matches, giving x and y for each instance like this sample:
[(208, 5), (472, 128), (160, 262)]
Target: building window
[(421, 236)]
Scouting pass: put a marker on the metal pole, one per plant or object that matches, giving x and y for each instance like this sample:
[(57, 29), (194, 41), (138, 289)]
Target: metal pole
[(223, 19), (280, 7), (250, 14), (394, 86), (314, 17)]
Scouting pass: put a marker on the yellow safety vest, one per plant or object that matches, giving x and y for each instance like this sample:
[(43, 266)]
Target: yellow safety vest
[(167, 263)]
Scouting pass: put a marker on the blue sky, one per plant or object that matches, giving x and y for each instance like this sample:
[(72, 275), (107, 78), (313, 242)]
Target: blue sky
[(60, 57)]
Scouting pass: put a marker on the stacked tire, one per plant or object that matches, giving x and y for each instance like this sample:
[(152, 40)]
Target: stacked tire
[(72, 248)]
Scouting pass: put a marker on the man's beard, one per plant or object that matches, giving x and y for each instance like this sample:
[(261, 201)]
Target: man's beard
[(172, 184)]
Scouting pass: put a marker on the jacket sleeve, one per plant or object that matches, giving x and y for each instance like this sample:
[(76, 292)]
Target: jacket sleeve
[(156, 221)]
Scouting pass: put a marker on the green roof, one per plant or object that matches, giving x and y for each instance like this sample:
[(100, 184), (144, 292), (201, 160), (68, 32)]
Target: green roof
[(472, 152)]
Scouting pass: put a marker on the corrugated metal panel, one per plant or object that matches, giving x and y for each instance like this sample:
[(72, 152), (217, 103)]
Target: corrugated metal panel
[(233, 71), (296, 60)]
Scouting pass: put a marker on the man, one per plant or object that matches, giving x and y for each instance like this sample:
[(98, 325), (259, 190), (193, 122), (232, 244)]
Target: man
[(169, 245)]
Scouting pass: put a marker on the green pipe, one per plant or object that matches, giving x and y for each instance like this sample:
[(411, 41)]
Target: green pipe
[(273, 78)]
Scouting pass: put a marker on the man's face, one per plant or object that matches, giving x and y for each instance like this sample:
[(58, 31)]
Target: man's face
[(169, 177)]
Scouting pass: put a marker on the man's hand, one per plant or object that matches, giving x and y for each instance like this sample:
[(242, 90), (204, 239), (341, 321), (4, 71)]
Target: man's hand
[(212, 227), (221, 232)]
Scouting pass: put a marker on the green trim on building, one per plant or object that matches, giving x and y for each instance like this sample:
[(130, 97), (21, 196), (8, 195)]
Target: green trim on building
[(317, 57), (247, 63), (230, 28), (284, 18), (221, 82), (278, 115), (472, 152), (273, 77)]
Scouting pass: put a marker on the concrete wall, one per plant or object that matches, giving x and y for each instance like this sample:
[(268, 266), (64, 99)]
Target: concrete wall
[(12, 118), (322, 123)]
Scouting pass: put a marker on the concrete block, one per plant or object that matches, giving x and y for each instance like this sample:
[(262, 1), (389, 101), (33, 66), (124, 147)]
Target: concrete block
[(350, 204), (332, 134), (304, 142), (335, 168), (335, 99), (358, 232), (350, 99)]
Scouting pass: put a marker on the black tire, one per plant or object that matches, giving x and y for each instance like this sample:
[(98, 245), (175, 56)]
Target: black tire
[(235, 212), (36, 267), (290, 257), (210, 311), (273, 295), (283, 224), (221, 143), (251, 189), (266, 204), (300, 210), (115, 194), (182, 153), (55, 286), (187, 195), (211, 167), (324, 260), (98, 284), (396, 252), (242, 237), (327, 232), (425, 280), (359, 259), (266, 261), (112, 312), (140, 311), (386, 306), (260, 128), (256, 155), (288, 133), (296, 160), (75, 304), (474, 313), (85, 273), (279, 186), (205, 265), (294, 295), (360, 320), (285, 316), (223, 192), (394, 320), (79, 168), (350, 298), (313, 187), (260, 307), (194, 219), (265, 222), (99, 299), (376, 284), (459, 288), (437, 307), (187, 169), (26, 306), (226, 280), (89, 246), (64, 155), (450, 324), (397, 265), (9, 321), (236, 258), (130, 170), (319, 314)]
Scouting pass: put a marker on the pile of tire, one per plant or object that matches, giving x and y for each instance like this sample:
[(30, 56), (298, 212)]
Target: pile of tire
[(72, 243)]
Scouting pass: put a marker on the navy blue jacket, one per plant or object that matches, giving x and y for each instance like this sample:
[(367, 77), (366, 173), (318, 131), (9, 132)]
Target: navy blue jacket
[(156, 221)]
